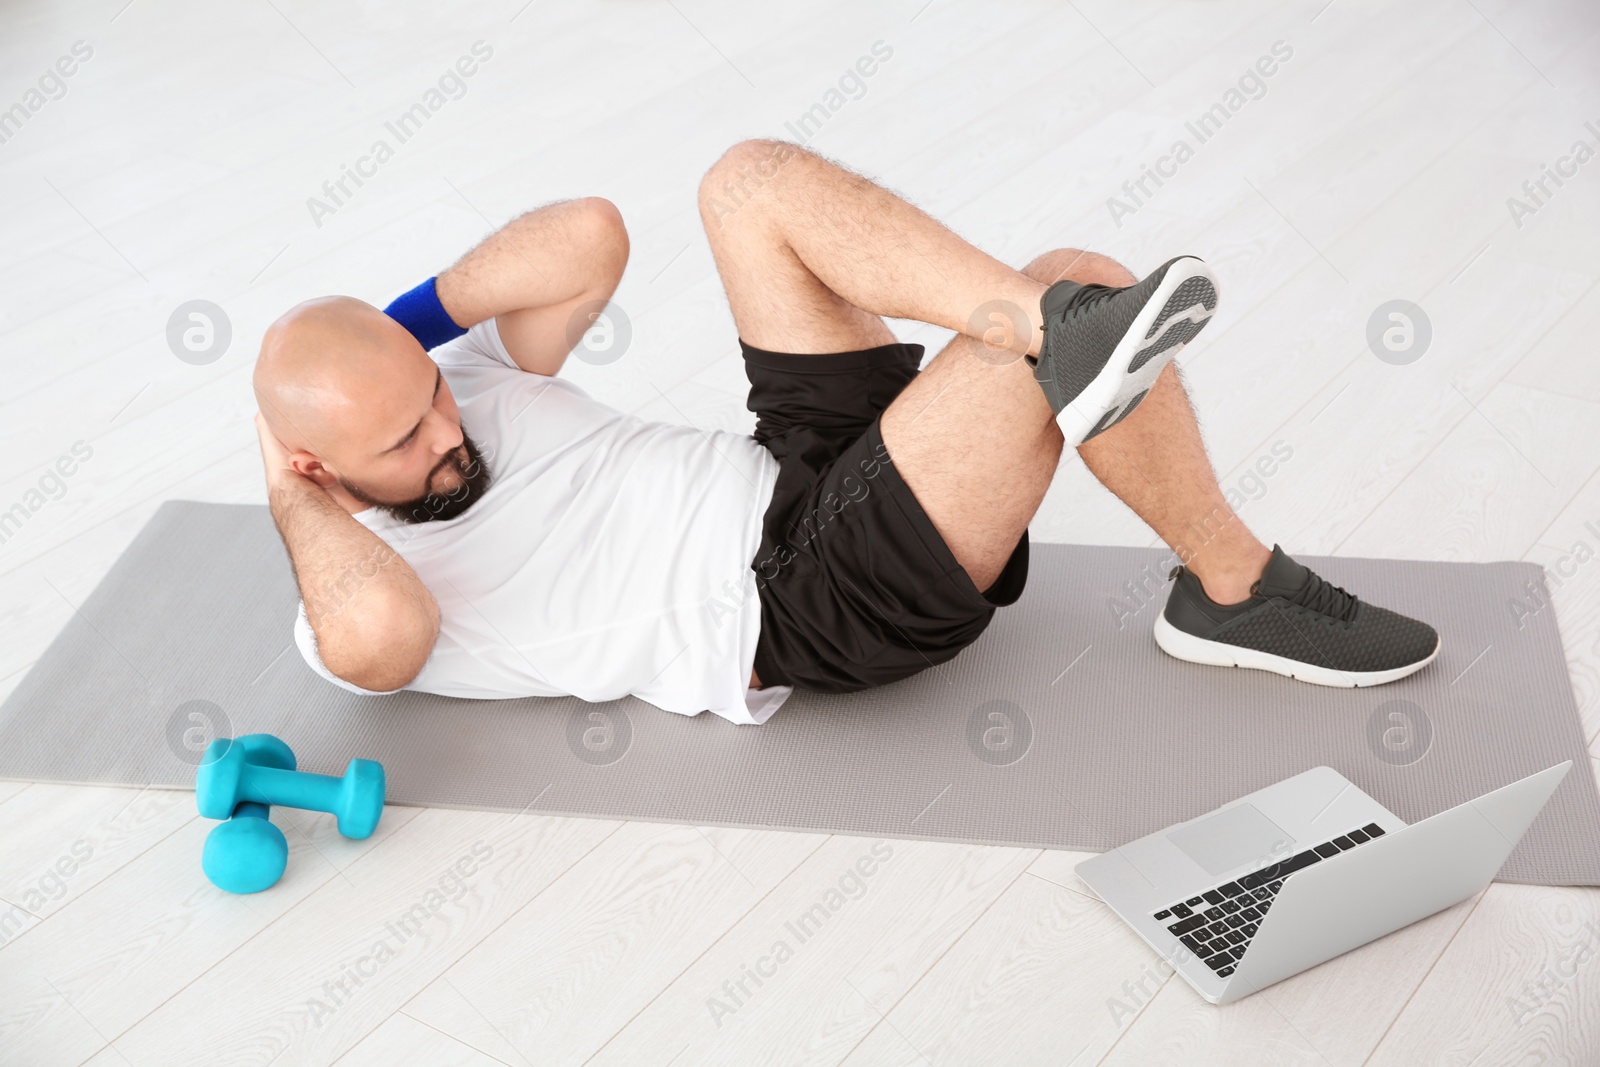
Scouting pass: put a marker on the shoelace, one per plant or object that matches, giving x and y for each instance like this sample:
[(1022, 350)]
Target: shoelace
[(1324, 597), (1087, 295)]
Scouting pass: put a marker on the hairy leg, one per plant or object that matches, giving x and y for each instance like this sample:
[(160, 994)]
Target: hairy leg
[(1155, 462), (974, 438), (812, 254)]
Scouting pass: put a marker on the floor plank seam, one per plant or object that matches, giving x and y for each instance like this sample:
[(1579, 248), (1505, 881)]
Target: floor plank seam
[(1402, 480), (1443, 949), (776, 885), (1539, 540), (160, 496), (934, 963), (1128, 1029), (104, 881)]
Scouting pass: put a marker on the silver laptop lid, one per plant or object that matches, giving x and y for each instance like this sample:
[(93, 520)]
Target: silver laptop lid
[(1344, 902)]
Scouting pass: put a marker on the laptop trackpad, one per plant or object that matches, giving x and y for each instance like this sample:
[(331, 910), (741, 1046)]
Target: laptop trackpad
[(1231, 838)]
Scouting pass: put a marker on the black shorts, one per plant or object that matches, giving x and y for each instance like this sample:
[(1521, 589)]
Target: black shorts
[(857, 587)]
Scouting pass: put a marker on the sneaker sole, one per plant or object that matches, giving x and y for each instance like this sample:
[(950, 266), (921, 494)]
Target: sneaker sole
[(1179, 308), (1185, 646)]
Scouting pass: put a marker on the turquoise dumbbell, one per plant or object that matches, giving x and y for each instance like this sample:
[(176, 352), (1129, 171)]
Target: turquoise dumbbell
[(247, 853), (227, 776)]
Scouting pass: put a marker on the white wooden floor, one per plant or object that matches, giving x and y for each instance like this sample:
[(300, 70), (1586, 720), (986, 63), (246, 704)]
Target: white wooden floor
[(1377, 165)]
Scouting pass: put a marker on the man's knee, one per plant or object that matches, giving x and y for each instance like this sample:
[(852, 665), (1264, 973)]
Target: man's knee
[(739, 174), (1079, 266)]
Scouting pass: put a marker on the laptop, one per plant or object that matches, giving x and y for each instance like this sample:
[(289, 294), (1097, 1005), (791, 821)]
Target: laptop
[(1302, 871)]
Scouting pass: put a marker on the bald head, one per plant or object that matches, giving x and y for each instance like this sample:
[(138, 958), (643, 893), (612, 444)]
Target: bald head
[(360, 407), (321, 361)]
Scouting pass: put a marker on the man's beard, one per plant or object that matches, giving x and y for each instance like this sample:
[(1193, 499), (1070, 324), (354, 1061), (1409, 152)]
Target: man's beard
[(466, 461)]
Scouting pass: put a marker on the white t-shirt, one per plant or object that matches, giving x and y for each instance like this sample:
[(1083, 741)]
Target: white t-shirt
[(610, 555)]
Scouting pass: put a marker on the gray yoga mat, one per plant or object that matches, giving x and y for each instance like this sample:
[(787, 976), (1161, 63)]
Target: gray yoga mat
[(1063, 727)]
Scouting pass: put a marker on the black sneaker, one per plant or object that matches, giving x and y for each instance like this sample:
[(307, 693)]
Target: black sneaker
[(1103, 346), (1294, 623)]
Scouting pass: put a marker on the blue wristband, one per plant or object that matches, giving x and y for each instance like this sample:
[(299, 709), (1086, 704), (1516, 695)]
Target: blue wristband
[(420, 312)]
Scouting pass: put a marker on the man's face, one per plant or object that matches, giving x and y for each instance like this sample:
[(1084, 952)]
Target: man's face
[(413, 459), (456, 482)]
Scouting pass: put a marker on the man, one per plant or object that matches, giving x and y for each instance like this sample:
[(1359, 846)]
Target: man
[(463, 521)]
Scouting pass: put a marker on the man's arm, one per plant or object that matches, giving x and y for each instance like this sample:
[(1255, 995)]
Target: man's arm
[(375, 621), (536, 274)]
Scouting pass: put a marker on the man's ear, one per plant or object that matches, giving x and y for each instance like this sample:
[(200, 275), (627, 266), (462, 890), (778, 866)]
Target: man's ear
[(312, 468)]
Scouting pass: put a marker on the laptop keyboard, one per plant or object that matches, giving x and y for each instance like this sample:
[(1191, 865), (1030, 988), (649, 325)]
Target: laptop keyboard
[(1218, 924)]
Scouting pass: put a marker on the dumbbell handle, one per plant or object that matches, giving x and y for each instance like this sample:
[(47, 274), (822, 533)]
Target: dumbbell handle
[(291, 789), (251, 809)]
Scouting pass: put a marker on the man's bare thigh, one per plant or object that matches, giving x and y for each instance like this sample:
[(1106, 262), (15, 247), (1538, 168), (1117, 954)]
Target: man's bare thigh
[(778, 304), (974, 437)]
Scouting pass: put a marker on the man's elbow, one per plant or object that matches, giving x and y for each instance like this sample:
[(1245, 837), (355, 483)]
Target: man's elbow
[(381, 649), (378, 674)]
